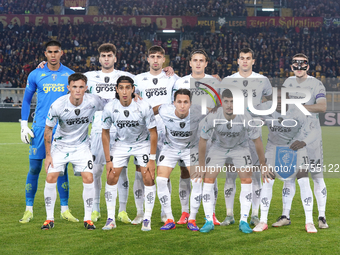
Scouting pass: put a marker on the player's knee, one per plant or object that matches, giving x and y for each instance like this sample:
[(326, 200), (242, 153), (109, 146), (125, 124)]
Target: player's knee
[(138, 168), (35, 166), (52, 177), (209, 180), (302, 174), (246, 180), (88, 178)]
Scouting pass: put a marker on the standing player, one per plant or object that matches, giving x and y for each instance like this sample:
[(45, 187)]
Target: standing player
[(102, 83), (134, 121), (292, 130), (73, 114), (232, 134), (198, 62), (257, 86), (181, 120), (155, 87), (315, 105), (50, 83)]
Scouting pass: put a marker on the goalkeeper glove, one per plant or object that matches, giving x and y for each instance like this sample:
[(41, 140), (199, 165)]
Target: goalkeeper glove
[(25, 131)]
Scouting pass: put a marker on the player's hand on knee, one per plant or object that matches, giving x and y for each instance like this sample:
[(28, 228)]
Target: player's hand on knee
[(48, 162), (151, 168), (197, 175), (297, 145), (26, 132), (267, 174), (109, 168)]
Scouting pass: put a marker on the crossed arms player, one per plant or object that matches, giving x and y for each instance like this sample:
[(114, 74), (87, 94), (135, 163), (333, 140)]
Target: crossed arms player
[(136, 136), (73, 114), (232, 133), (49, 83)]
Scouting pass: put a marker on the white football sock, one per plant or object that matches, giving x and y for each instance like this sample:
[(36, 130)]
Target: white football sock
[(97, 180), (306, 198), (215, 193), (150, 194), (195, 199), (164, 196), (63, 208), (245, 201), (110, 198), (229, 192), (50, 194), (208, 200), (320, 192), (266, 197), (123, 189), (88, 194), (288, 193), (184, 193), (256, 198), (29, 208), (138, 192)]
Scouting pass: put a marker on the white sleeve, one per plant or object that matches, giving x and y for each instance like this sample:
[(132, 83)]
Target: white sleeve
[(150, 119), (52, 116), (253, 131), (319, 92), (107, 120), (267, 90)]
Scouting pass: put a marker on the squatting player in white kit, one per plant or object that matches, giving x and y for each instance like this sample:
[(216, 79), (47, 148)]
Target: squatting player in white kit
[(181, 120), (102, 83), (134, 121), (257, 86), (198, 62), (315, 105), (232, 133), (155, 87), (73, 113)]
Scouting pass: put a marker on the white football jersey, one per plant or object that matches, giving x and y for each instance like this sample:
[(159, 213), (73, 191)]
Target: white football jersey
[(132, 122), (156, 90), (317, 90), (286, 129), (103, 85), (255, 85), (229, 135), (73, 121), (181, 133), (197, 93)]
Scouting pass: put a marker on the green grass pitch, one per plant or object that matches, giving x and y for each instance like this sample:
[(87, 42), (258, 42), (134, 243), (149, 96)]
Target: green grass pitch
[(72, 238)]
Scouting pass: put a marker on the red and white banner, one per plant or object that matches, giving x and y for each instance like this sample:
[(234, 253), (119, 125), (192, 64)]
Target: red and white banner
[(162, 22), (285, 21)]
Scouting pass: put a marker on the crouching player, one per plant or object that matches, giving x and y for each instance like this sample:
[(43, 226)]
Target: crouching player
[(73, 114), (296, 133), (133, 121), (231, 132), (181, 120)]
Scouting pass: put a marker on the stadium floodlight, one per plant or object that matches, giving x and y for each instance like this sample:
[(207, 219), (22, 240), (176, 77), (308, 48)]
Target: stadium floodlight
[(77, 8), (267, 9), (169, 31)]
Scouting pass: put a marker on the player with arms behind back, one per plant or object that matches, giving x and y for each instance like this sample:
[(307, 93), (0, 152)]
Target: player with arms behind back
[(50, 83), (73, 113)]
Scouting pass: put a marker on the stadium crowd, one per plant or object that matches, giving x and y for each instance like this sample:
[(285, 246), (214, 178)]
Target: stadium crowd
[(21, 50), (314, 8), (28, 6)]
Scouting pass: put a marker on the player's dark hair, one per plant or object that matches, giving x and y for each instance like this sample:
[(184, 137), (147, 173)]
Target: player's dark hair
[(227, 93), (77, 77), (182, 92), (247, 50), (300, 55), (107, 47), (122, 79), (156, 49), (199, 51), (53, 43)]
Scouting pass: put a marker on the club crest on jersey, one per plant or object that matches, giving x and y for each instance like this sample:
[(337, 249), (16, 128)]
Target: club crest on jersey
[(155, 81), (107, 79), (54, 76), (77, 111), (126, 113), (182, 124), (245, 83)]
